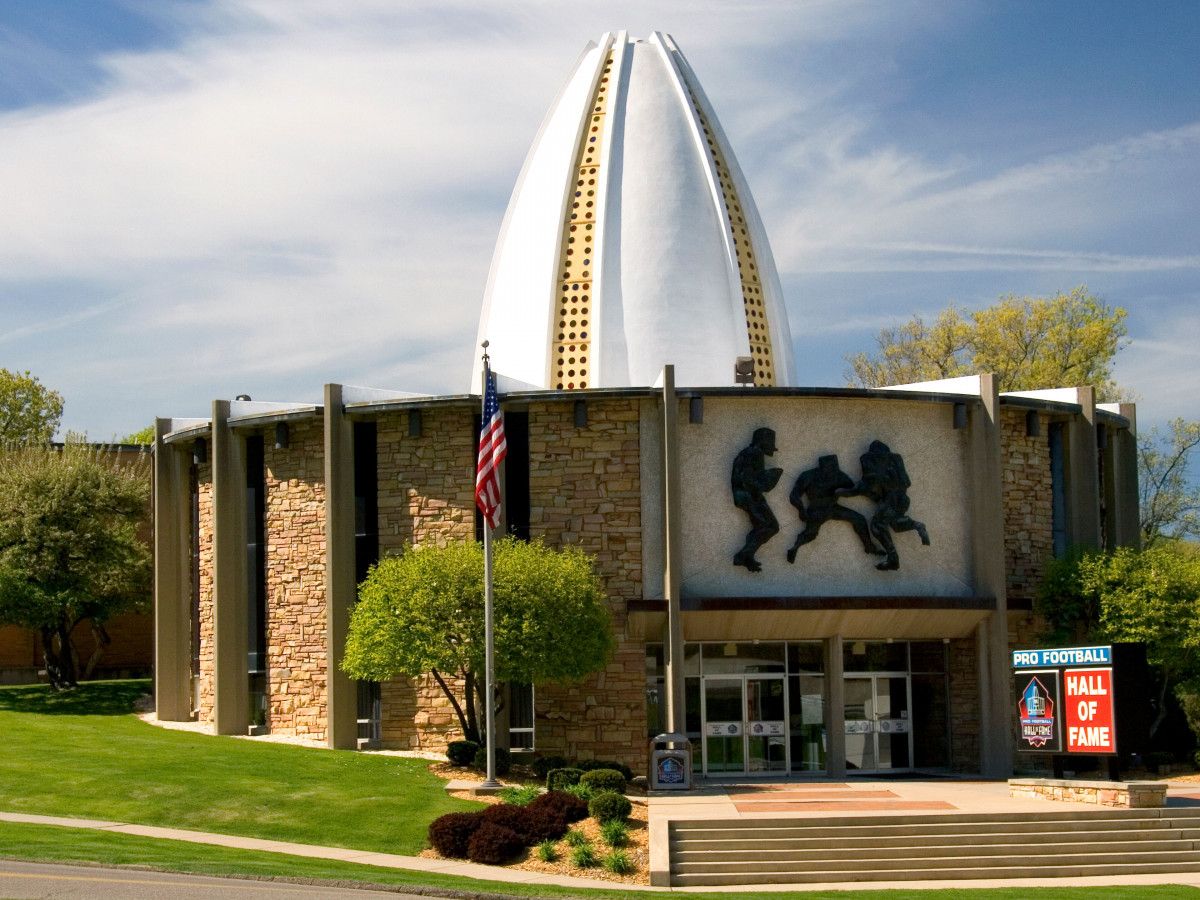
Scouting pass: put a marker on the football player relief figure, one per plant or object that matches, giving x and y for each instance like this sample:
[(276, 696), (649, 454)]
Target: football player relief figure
[(885, 481), (750, 480)]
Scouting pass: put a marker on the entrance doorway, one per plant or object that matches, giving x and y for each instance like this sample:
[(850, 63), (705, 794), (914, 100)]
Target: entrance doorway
[(878, 725), (745, 724)]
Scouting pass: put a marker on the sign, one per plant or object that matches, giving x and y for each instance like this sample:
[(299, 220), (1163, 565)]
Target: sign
[(893, 726), (1062, 656), (724, 729), (769, 729), (1088, 711), (670, 769), (1065, 700), (859, 726), (1038, 711)]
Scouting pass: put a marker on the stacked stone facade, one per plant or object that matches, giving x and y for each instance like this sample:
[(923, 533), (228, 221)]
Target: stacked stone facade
[(585, 489), (964, 706), (426, 495), (205, 605), (296, 610), (1028, 504), (426, 483)]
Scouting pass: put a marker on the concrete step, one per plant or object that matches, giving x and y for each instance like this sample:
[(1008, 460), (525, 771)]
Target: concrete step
[(898, 848), (917, 865), (769, 875), (681, 844), (1135, 843)]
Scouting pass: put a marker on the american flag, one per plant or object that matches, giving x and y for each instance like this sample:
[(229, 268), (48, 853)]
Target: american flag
[(492, 450)]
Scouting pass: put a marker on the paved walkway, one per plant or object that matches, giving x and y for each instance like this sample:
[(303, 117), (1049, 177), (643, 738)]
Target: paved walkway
[(713, 801)]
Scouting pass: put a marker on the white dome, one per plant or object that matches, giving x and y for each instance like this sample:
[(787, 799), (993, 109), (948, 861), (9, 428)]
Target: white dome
[(631, 240)]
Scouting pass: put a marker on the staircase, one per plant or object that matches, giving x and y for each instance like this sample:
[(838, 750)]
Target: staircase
[(925, 847)]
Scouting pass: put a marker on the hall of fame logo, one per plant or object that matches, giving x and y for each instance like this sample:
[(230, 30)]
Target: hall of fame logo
[(1036, 713)]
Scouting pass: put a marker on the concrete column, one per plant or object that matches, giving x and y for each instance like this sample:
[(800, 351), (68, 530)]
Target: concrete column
[(835, 708), (672, 559), (1083, 481), (340, 590), (172, 584), (231, 580), (1124, 501), (987, 551)]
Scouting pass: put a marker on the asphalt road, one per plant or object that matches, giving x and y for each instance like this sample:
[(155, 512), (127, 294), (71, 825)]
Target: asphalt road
[(37, 881)]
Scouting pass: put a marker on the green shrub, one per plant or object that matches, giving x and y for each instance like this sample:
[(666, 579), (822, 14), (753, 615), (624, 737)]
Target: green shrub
[(615, 833), (583, 856), (543, 764), (559, 779), (547, 852), (607, 806), (450, 834), (618, 862), (494, 844), (462, 753), (604, 780), (576, 838), (503, 760), (519, 796), (590, 764)]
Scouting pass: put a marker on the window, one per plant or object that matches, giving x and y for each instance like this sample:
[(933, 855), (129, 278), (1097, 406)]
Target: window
[(520, 715)]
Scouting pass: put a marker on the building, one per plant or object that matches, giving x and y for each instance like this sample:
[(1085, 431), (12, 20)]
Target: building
[(636, 323)]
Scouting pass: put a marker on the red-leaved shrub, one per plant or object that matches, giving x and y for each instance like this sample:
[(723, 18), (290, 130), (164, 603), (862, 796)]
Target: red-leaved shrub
[(450, 834), (494, 844)]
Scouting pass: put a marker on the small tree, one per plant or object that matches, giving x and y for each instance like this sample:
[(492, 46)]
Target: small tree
[(423, 612), (29, 411), (1169, 503), (69, 547), (1150, 596), (1028, 342)]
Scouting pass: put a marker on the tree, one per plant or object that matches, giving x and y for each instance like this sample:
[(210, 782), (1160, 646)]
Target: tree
[(141, 436), (1150, 596), (1169, 504), (423, 612), (69, 546), (1027, 342), (29, 411)]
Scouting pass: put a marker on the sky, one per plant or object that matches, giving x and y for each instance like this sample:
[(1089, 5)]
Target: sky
[(205, 198)]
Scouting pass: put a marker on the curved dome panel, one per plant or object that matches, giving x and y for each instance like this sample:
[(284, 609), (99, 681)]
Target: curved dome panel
[(631, 240)]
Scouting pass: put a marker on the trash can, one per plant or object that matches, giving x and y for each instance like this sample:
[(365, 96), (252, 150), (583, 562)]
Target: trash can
[(670, 763)]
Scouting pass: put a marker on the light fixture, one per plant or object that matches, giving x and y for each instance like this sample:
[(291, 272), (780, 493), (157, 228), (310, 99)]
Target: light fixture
[(414, 423), (743, 370), (1033, 424), (242, 397), (281, 435), (1101, 437), (960, 415), (199, 451), (859, 648), (696, 410), (580, 413)]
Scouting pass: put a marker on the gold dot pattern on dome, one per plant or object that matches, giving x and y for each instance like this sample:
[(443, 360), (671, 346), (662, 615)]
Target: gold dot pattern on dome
[(757, 326), (571, 332)]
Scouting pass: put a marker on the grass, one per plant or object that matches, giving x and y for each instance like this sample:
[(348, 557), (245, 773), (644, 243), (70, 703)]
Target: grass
[(70, 845), (82, 753)]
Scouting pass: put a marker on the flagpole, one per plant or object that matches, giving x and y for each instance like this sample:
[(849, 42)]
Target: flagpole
[(488, 622)]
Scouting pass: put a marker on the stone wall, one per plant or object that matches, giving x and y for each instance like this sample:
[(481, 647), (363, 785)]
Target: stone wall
[(964, 706), (207, 656), (295, 553), (1028, 500), (426, 483), (585, 489), (426, 495)]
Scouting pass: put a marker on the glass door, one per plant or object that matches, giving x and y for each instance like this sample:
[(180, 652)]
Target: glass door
[(766, 725), (877, 723), (724, 726), (745, 724)]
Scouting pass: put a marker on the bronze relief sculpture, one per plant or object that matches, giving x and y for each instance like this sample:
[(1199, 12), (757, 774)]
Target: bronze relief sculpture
[(750, 480)]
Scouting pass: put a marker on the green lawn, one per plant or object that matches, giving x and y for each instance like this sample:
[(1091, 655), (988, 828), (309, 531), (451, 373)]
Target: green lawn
[(82, 753), (48, 843)]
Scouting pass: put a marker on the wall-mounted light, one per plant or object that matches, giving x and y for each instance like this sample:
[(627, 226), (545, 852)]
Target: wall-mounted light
[(1033, 424), (580, 413), (281, 435), (199, 451), (696, 410), (414, 423), (960, 415), (743, 370), (1101, 437), (242, 397)]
